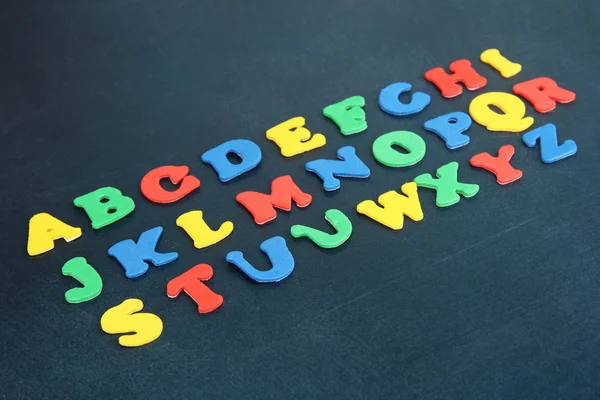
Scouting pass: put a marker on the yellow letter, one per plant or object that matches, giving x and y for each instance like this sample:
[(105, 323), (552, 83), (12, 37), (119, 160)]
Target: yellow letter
[(293, 138), (146, 327), (506, 67), (395, 206), (514, 110), (193, 224), (44, 229)]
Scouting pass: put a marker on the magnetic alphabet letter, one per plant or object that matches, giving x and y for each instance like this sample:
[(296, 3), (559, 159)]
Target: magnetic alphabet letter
[(389, 100), (44, 229), (247, 150), (348, 115), (395, 207), (283, 191), (447, 186), (450, 128), (462, 71), (105, 206), (145, 327), (134, 257), (550, 150), (293, 138), (543, 93), (191, 283), (152, 190), (350, 166), (513, 119), (281, 258), (340, 223), (499, 166)]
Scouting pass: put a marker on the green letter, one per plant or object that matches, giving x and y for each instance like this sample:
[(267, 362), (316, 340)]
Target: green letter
[(348, 115), (105, 206), (79, 269), (409, 141), (338, 220), (447, 186)]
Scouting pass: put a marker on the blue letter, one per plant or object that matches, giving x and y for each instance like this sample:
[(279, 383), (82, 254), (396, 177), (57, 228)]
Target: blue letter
[(247, 150), (350, 167), (551, 151), (389, 100), (282, 261), (133, 256), (450, 127)]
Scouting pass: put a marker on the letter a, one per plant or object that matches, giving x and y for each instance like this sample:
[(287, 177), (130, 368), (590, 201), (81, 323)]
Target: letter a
[(44, 229)]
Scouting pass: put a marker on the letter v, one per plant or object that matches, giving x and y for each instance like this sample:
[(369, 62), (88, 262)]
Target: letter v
[(340, 223)]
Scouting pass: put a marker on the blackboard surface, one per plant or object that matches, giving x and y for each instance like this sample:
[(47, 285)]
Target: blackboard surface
[(495, 297)]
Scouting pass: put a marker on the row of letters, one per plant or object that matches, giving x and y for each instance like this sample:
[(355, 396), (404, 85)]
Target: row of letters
[(107, 205)]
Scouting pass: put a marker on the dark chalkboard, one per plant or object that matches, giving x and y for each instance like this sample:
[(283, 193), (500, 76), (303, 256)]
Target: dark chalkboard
[(495, 297)]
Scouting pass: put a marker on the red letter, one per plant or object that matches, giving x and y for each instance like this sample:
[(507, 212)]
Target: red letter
[(462, 72), (152, 190), (543, 93), (189, 282), (499, 166), (283, 191)]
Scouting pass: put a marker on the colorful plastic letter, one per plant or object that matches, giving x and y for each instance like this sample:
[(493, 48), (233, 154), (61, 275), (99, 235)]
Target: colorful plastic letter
[(395, 207), (293, 138), (340, 223), (500, 63), (549, 148), (247, 150), (543, 93), (193, 224), (44, 229), (447, 186), (499, 166), (328, 170), (85, 274), (389, 100), (409, 141), (152, 190), (348, 115), (513, 119), (105, 206), (283, 191), (280, 256), (462, 72), (450, 127), (191, 283), (145, 327), (135, 256)]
